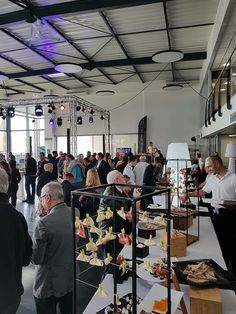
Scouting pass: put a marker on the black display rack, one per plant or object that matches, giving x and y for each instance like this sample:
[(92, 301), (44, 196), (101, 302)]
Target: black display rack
[(89, 192)]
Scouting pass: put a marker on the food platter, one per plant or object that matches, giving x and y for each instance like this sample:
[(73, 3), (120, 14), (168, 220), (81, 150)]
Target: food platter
[(222, 277), (152, 269)]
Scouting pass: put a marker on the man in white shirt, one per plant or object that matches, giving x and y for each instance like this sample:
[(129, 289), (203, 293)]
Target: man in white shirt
[(223, 187), (128, 171), (152, 149), (139, 170)]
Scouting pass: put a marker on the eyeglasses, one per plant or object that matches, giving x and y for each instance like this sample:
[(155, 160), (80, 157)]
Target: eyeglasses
[(41, 197)]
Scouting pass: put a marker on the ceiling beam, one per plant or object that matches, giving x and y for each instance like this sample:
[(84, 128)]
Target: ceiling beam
[(85, 6), (75, 46), (109, 63), (119, 42)]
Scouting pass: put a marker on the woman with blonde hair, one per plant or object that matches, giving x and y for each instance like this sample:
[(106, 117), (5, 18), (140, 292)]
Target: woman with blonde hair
[(89, 205)]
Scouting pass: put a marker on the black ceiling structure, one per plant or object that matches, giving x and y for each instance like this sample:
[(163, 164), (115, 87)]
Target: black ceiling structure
[(98, 36)]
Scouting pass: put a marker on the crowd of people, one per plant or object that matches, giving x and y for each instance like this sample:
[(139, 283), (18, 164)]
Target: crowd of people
[(52, 179)]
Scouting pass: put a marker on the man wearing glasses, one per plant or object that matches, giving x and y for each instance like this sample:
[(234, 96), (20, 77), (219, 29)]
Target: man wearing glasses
[(53, 253)]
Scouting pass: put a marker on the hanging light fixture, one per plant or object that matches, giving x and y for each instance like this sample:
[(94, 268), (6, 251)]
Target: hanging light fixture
[(168, 56), (59, 121), (83, 109), (172, 87), (90, 119), (1, 112), (10, 112), (92, 111), (38, 110), (78, 108), (79, 120), (62, 107), (102, 117), (68, 68), (51, 122)]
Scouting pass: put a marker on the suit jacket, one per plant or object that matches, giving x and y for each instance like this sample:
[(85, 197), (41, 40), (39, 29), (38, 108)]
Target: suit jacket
[(103, 170), (53, 253), (45, 178), (16, 251)]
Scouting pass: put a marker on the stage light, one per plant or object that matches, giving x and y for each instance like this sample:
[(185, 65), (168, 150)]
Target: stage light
[(51, 107), (51, 122), (91, 111), (59, 121), (38, 110), (1, 112), (90, 119), (83, 109), (78, 108), (62, 107), (102, 118), (79, 120), (3, 117), (10, 112)]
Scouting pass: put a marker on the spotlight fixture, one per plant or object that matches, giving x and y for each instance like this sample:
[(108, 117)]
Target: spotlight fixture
[(3, 117), (102, 118), (62, 107), (59, 121), (10, 112), (92, 111), (79, 120), (38, 110), (90, 119), (33, 121), (51, 107), (83, 109), (167, 56), (51, 122), (172, 87), (78, 108), (1, 112)]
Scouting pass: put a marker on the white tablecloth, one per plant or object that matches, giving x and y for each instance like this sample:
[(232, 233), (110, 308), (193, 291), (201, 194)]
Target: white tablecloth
[(206, 247)]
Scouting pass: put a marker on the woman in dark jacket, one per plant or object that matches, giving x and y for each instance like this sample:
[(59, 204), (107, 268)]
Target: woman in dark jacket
[(15, 180)]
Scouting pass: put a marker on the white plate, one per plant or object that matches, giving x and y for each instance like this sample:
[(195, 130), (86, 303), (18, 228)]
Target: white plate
[(145, 274), (158, 292)]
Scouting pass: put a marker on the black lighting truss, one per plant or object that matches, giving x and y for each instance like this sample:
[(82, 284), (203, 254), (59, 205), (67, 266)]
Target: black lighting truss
[(88, 192)]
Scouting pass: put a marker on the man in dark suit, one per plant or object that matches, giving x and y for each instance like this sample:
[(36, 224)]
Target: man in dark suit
[(30, 178), (68, 187), (45, 178), (103, 168), (16, 250)]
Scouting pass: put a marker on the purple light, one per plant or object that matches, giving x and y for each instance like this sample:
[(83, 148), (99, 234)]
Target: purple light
[(51, 122)]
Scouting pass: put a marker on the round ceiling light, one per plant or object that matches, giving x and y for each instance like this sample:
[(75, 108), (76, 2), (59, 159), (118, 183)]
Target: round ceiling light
[(167, 56), (172, 87), (3, 77), (105, 92), (68, 68)]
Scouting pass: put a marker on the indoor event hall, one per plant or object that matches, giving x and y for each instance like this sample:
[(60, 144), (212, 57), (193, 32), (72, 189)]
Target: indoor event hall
[(117, 156)]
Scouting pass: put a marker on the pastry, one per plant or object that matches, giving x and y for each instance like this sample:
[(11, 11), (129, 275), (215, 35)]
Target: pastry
[(129, 215), (99, 241), (82, 257), (160, 306), (160, 220), (108, 259), (144, 217), (121, 213), (108, 213), (96, 261), (109, 236), (149, 242), (123, 266), (124, 238), (94, 229), (101, 292), (79, 228), (101, 216), (88, 221), (91, 246)]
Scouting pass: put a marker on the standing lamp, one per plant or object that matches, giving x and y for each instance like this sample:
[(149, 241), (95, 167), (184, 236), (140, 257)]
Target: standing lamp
[(231, 154), (178, 157)]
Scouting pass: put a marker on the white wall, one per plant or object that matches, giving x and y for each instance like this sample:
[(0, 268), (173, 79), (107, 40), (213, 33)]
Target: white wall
[(172, 116)]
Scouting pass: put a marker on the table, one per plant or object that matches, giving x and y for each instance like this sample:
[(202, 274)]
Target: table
[(206, 247)]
